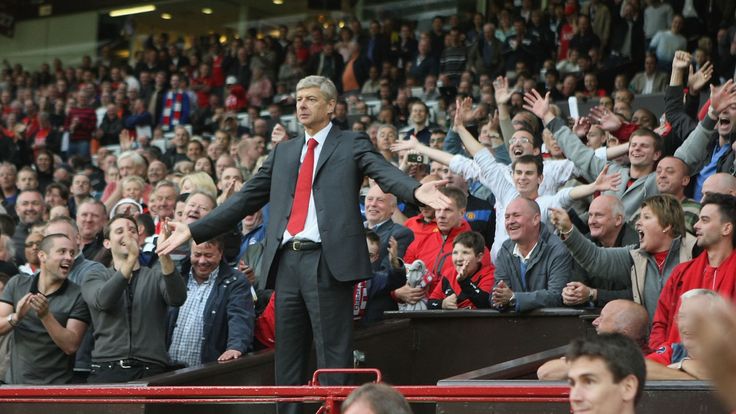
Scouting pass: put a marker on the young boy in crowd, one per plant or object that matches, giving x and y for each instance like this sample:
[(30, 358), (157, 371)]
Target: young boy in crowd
[(469, 286)]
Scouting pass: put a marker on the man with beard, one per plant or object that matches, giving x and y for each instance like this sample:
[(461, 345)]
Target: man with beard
[(47, 317), (29, 208)]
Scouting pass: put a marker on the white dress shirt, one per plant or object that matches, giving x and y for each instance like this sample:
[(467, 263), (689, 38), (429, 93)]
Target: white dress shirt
[(311, 227)]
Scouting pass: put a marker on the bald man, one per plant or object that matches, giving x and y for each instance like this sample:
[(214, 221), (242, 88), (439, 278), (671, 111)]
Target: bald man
[(720, 183), (619, 316)]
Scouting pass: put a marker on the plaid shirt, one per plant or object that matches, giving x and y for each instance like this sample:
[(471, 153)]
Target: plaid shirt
[(186, 341)]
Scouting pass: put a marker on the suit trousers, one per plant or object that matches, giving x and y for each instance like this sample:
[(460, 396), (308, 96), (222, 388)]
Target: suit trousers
[(310, 305)]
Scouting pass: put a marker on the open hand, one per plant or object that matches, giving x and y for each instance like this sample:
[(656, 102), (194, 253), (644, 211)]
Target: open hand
[(429, 194), (502, 93), (179, 236), (607, 119), (537, 104), (697, 80), (607, 182), (406, 145)]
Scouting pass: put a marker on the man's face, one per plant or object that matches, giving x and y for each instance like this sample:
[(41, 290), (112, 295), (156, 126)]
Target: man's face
[(526, 178), (727, 120), (122, 231), (521, 221), (672, 176), (53, 198), (384, 138), (606, 321), (156, 172), (418, 114), (80, 185), (90, 220), (229, 175), (601, 220), (592, 389), (7, 177), (166, 197), (522, 143), (221, 164), (379, 206), (710, 228), (127, 167), (196, 207), (439, 169), (194, 151), (205, 259), (27, 181), (449, 217), (642, 153), (33, 241), (312, 109), (29, 207), (60, 258), (644, 119)]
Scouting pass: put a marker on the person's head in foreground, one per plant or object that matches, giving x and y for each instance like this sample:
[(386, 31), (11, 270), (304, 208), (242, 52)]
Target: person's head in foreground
[(375, 399), (606, 374)]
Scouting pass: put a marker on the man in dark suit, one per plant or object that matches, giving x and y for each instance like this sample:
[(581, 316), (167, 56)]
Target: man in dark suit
[(379, 207), (315, 248)]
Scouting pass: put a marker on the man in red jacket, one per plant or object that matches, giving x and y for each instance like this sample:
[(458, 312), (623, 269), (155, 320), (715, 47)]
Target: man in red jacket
[(714, 269), (435, 250)]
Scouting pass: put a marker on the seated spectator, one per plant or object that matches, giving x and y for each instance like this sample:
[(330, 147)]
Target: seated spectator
[(663, 244), (532, 266), (470, 284), (215, 323), (47, 317), (607, 229), (650, 80), (107, 297), (681, 359), (618, 316), (372, 297), (607, 372), (435, 250), (379, 208), (714, 268)]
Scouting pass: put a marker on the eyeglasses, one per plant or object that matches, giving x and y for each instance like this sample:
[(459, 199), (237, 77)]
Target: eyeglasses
[(520, 141)]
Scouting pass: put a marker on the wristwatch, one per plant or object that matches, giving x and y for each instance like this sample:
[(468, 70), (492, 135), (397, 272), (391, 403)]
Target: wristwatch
[(12, 321), (512, 301)]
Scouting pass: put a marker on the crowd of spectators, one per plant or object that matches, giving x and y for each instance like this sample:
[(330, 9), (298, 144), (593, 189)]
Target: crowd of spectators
[(543, 211)]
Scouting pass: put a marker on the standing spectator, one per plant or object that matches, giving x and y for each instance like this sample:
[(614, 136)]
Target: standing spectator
[(600, 20), (424, 63), (130, 299), (81, 123), (376, 46), (485, 56), (658, 16), (260, 90), (437, 37), (584, 39), (453, 58), (215, 323), (327, 63), (8, 189), (176, 106), (155, 103), (47, 317), (109, 131), (666, 42)]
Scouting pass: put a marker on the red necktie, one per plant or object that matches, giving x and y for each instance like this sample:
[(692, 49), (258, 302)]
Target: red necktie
[(303, 190)]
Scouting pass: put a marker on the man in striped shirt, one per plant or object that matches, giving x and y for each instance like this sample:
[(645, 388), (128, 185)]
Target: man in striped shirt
[(81, 123)]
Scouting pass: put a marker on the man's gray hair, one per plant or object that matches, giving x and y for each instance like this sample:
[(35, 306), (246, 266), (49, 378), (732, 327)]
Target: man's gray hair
[(699, 292), (134, 156), (9, 245), (325, 85)]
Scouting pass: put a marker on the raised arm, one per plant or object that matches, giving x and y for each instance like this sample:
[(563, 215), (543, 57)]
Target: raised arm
[(604, 182), (502, 93), (583, 157)]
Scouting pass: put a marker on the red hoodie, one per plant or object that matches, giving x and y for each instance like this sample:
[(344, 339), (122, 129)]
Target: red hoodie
[(482, 280), (436, 252), (694, 274)]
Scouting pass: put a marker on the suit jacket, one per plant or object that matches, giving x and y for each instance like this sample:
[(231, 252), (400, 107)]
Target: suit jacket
[(343, 162), (640, 81)]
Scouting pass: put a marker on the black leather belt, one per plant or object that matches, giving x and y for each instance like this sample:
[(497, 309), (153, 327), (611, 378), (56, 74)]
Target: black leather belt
[(298, 245)]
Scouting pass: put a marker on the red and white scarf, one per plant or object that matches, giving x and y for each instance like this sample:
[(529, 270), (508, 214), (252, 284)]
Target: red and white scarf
[(172, 107)]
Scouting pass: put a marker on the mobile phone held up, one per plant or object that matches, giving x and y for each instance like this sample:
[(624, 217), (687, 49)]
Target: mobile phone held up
[(417, 158)]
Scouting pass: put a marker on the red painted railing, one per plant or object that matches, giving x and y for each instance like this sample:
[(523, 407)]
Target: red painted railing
[(329, 396)]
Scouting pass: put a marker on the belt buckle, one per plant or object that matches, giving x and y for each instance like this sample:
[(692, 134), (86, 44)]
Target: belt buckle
[(123, 365), (296, 245)]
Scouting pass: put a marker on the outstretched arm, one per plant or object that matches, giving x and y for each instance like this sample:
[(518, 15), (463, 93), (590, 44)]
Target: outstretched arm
[(604, 182)]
